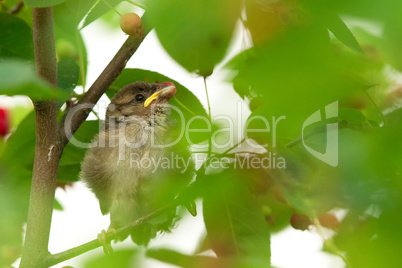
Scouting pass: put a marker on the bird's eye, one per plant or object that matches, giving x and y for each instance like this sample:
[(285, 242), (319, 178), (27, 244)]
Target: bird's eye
[(139, 97)]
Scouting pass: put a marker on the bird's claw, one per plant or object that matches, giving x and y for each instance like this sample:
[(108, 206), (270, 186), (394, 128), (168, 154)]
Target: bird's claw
[(102, 238)]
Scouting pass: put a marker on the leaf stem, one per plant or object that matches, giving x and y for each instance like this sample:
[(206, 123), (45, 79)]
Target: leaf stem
[(209, 117), (184, 106), (209, 104)]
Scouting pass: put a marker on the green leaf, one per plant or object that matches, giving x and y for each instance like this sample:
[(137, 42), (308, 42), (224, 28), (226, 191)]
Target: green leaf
[(71, 45), (68, 38), (20, 147), (234, 221), (19, 78), (99, 10), (175, 258), (200, 33), (73, 153), (352, 116), (42, 3), (120, 258), (15, 38), (57, 205), (296, 69), (342, 32), (70, 13), (68, 73)]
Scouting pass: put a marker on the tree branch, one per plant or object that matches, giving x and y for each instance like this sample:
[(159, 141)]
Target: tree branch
[(101, 84), (47, 151), (74, 252)]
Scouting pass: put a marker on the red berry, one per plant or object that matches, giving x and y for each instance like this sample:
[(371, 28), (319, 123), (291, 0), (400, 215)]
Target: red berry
[(4, 123), (329, 220), (131, 24), (300, 221)]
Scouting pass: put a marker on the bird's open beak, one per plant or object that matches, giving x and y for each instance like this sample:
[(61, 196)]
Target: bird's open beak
[(166, 92)]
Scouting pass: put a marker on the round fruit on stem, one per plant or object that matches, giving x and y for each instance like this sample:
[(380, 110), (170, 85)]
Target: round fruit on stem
[(131, 24), (300, 221), (329, 220)]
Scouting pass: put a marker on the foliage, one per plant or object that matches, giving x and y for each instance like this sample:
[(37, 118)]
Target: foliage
[(304, 56)]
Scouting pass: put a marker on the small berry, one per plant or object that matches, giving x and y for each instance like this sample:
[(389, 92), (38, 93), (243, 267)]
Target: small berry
[(131, 24), (300, 221), (4, 122), (329, 220)]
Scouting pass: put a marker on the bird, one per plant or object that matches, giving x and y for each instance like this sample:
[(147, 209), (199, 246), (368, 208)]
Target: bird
[(120, 165)]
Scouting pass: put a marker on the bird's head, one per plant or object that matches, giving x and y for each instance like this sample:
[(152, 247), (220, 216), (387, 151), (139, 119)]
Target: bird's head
[(146, 100)]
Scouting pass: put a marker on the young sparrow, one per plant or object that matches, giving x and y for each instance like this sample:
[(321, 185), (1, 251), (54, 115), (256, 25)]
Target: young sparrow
[(120, 165)]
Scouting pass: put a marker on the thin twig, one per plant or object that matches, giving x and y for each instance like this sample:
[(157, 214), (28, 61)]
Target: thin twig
[(16, 8), (76, 251)]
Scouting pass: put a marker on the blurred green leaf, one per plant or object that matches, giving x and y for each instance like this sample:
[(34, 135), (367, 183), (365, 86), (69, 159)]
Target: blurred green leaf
[(18, 113), (20, 147), (352, 116), (57, 205), (175, 258), (71, 45), (200, 33), (70, 161), (67, 17), (234, 221), (119, 258), (99, 10), (25, 13), (342, 32), (13, 209), (296, 69), (69, 14), (42, 3), (19, 78), (392, 39), (67, 76), (15, 38), (68, 72)]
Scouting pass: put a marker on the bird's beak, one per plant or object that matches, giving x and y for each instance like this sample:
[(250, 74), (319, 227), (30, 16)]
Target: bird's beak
[(166, 92)]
